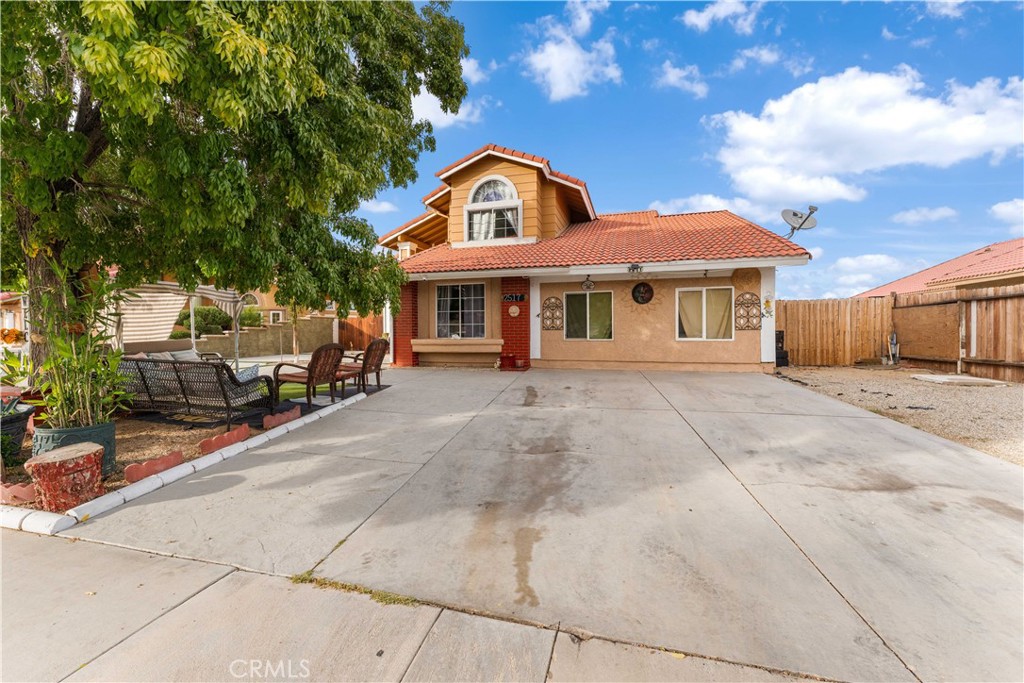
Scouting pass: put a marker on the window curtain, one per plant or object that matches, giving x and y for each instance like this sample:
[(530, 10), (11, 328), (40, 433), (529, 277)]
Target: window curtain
[(691, 318), (719, 304), (601, 315), (575, 316), (445, 309), (481, 225), (511, 217)]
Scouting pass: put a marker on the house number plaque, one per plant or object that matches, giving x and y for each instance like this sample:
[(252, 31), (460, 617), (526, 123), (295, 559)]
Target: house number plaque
[(513, 297)]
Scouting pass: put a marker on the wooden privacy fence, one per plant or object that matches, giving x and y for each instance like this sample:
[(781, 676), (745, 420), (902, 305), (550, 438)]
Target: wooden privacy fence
[(976, 331), (834, 331), (355, 333)]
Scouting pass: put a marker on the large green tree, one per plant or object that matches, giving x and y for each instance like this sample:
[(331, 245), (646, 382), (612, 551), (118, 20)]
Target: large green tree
[(218, 141)]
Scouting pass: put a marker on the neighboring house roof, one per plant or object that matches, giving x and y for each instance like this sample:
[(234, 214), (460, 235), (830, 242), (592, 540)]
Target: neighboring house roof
[(635, 237), (9, 296), (995, 260)]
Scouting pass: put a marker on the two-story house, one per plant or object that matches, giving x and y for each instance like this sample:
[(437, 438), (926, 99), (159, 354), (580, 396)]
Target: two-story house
[(511, 260)]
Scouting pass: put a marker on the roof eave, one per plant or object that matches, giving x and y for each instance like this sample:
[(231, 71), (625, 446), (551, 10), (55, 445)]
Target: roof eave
[(606, 269)]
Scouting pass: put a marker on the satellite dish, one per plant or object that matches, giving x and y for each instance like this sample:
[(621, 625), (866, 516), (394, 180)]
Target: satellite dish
[(798, 220)]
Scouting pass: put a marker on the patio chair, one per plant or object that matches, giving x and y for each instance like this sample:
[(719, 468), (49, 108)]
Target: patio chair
[(321, 369), (369, 361)]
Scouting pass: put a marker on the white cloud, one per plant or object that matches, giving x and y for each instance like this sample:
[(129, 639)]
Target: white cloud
[(686, 78), (708, 202), (741, 15), (765, 55), (947, 9), (922, 42), (638, 6), (923, 214), (474, 73), (581, 14), (799, 66), (426, 106), (561, 65), (650, 45), (1010, 212), (378, 206), (813, 142), (887, 34), (846, 277)]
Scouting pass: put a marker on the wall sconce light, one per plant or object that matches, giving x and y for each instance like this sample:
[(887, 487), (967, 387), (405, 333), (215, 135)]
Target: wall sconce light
[(588, 284), (635, 268)]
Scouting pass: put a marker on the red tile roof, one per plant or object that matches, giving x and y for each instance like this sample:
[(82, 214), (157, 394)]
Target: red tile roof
[(508, 151), (435, 192), (635, 237), (995, 259)]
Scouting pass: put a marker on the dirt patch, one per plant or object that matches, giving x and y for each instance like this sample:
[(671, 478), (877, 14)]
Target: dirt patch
[(990, 419), (139, 439)]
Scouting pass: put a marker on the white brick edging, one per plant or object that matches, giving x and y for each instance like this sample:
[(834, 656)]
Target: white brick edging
[(50, 523)]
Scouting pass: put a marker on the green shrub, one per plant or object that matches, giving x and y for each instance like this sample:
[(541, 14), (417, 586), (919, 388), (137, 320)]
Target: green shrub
[(209, 329), (207, 317), (251, 317), (182, 334)]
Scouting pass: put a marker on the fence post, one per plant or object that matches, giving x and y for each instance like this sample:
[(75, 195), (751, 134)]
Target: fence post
[(961, 309)]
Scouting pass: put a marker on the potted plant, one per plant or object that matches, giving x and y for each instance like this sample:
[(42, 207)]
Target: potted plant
[(14, 417), (79, 380)]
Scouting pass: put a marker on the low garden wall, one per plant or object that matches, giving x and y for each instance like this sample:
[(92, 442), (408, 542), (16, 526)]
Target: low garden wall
[(272, 340)]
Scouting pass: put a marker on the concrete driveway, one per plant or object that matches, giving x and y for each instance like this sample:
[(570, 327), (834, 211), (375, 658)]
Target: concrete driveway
[(733, 517)]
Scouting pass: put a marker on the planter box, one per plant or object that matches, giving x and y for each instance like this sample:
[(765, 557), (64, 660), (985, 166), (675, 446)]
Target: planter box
[(14, 426)]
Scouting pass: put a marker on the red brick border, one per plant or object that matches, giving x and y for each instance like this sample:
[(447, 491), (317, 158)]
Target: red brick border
[(140, 470), (215, 443)]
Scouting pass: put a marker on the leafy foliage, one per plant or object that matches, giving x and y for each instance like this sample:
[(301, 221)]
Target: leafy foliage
[(207, 317), (218, 141), (79, 377), (251, 317)]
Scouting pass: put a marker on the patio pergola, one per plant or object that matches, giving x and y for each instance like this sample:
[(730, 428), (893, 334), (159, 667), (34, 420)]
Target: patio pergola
[(151, 314)]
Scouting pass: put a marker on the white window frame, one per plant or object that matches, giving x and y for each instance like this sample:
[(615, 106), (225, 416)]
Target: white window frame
[(458, 284), (276, 317), (515, 203), (565, 326), (704, 314)]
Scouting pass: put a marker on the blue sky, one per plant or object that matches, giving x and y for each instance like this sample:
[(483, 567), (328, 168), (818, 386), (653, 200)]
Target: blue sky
[(903, 122)]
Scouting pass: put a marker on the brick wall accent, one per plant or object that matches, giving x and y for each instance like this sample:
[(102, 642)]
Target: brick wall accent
[(516, 331), (407, 327)]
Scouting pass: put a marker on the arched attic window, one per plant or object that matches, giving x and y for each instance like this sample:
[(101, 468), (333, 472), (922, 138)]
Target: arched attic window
[(494, 210)]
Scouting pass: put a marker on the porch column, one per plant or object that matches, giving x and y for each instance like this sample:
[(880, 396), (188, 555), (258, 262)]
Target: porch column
[(407, 327), (515, 318), (768, 324)]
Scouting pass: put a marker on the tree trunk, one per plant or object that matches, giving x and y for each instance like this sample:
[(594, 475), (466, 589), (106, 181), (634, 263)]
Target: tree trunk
[(39, 276), (295, 331)]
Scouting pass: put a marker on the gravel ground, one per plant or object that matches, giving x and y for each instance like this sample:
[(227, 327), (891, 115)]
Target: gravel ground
[(990, 419)]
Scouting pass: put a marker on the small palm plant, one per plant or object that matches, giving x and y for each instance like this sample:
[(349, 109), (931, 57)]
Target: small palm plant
[(78, 377)]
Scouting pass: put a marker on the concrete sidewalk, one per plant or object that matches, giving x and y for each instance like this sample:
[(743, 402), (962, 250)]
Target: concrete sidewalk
[(89, 612), (738, 519)]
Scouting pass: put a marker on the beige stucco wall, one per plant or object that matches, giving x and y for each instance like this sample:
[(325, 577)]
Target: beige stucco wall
[(456, 353), (646, 334)]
